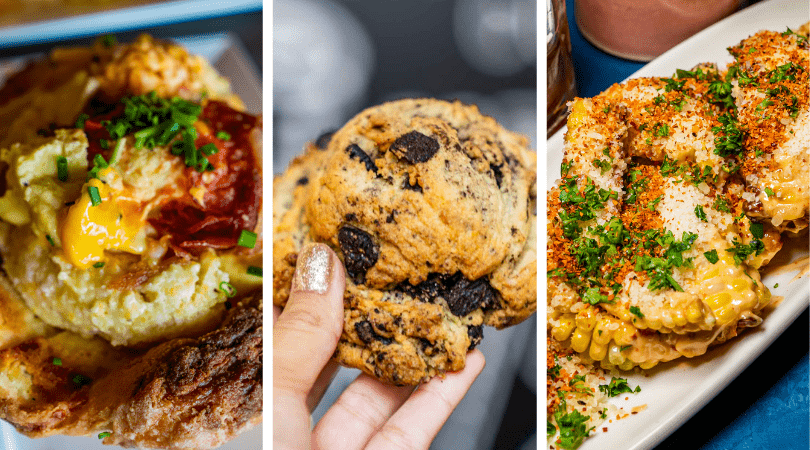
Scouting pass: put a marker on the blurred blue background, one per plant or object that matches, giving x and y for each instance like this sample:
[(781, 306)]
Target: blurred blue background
[(331, 59)]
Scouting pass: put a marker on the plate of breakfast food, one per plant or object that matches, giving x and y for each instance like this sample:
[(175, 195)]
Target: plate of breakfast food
[(677, 229), (131, 244)]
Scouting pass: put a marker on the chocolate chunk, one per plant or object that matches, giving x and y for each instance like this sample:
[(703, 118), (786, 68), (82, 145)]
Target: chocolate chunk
[(355, 152), (425, 291), (350, 217), (496, 172), (303, 181), (406, 184), (415, 147), (366, 333), (359, 251), (466, 296), (476, 334), (462, 295), (323, 140)]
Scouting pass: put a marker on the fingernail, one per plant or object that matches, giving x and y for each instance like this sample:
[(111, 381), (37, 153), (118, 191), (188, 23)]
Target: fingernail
[(313, 269)]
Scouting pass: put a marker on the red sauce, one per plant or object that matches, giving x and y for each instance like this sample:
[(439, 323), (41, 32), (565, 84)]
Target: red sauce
[(232, 197)]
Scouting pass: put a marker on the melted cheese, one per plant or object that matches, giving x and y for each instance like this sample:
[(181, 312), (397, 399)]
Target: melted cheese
[(113, 224)]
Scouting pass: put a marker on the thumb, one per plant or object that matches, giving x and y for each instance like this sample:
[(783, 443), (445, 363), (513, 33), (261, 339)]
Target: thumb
[(308, 329)]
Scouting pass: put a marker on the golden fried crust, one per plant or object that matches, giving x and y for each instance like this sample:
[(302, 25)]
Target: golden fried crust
[(184, 393), (137, 68), (17, 322)]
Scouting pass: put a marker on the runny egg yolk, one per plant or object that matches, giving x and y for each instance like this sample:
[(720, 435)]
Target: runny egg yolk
[(89, 230)]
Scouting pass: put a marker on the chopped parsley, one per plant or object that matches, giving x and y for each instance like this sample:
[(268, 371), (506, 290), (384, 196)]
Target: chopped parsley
[(728, 137), (585, 202), (659, 269), (742, 251), (757, 230), (618, 386), (573, 428), (577, 384), (636, 311), (711, 256), (801, 39), (700, 213), (720, 94), (593, 297), (720, 204)]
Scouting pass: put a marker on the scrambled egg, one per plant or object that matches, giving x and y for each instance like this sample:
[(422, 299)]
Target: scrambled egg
[(96, 270)]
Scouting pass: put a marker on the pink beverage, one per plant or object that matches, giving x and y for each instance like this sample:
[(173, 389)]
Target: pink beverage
[(643, 29)]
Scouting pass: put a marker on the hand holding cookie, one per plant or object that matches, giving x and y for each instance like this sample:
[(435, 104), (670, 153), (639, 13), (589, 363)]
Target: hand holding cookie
[(368, 414)]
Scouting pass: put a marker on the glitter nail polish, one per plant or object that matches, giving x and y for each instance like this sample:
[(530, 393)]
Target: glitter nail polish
[(313, 270)]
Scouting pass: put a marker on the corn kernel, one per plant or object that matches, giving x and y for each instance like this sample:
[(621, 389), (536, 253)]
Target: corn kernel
[(580, 340), (694, 312), (586, 319), (602, 333), (648, 364), (615, 356), (597, 351), (564, 329)]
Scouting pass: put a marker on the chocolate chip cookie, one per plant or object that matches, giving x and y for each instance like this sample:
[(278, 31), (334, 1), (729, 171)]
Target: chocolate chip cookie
[(431, 207)]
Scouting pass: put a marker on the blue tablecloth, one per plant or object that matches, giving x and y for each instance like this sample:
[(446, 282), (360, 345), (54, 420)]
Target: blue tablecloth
[(766, 407)]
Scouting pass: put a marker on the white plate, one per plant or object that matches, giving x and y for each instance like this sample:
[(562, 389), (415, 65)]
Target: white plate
[(229, 58), (675, 391)]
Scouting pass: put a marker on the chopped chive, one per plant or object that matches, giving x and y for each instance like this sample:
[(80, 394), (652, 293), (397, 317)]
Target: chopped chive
[(183, 118), (209, 149), (227, 288), (104, 144), (99, 265), (81, 120), (99, 161), (247, 239), (255, 271), (223, 135), (50, 240), (61, 168), (104, 434), (81, 380), (95, 197), (56, 361), (116, 153), (203, 164)]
